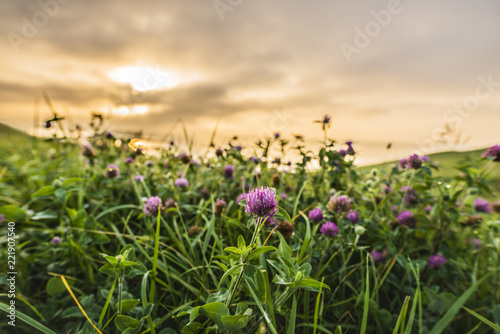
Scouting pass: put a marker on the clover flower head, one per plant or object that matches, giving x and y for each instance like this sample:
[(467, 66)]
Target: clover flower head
[(407, 218), (261, 202), (316, 215), (329, 229), (435, 261), (152, 206)]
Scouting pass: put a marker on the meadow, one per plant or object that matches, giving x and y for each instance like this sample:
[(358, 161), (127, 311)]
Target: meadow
[(111, 238)]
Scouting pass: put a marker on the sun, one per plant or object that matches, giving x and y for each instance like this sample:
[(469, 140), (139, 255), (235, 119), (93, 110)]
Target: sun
[(145, 78)]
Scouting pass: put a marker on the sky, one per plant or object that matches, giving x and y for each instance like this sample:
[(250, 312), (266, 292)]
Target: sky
[(421, 74)]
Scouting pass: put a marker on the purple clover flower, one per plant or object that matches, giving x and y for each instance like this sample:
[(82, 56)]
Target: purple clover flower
[(353, 216), (493, 152), (316, 215), (129, 160), (350, 150), (219, 206), (152, 206), (181, 182), (229, 172), (410, 195), (138, 178), (377, 256), (477, 243), (149, 163), (255, 160), (329, 229), (428, 208), (402, 163), (271, 221), (112, 171), (276, 135), (436, 261), (326, 119), (88, 150), (56, 241), (414, 162), (283, 196), (342, 153), (387, 189), (407, 218), (261, 202), (339, 204), (109, 135), (482, 205)]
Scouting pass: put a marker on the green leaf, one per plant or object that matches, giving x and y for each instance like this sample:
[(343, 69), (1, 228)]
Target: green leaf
[(283, 249), (241, 242), (47, 214), (220, 296), (261, 250), (13, 213), (284, 214), (125, 264), (255, 280), (60, 195), (44, 191), (453, 310), (233, 250), (123, 322), (229, 272), (215, 311), (55, 287), (290, 328), (24, 318), (127, 305), (108, 269), (70, 182), (111, 259), (309, 282), (234, 323)]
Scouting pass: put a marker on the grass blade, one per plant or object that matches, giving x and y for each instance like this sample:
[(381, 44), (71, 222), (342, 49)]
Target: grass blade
[(366, 304), (483, 319), (316, 308), (293, 315), (402, 314), (453, 310), (30, 321)]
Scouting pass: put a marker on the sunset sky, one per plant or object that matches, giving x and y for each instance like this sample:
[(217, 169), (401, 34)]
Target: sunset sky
[(386, 71)]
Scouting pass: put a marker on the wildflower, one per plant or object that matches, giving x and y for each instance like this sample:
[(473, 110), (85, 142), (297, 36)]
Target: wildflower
[(112, 171), (152, 206), (276, 180), (219, 206), (410, 195), (473, 220), (271, 221), (343, 153), (394, 209), (283, 196), (261, 202), (277, 135), (219, 152), (56, 241), (414, 162), (129, 160), (241, 197), (229, 172), (139, 151), (329, 229), (353, 216), (255, 160), (402, 163), (493, 152), (193, 231), (407, 218), (482, 205), (286, 229), (387, 189), (170, 204), (339, 204), (109, 135), (138, 178), (350, 150), (184, 157), (205, 193), (428, 208), (149, 163), (88, 150), (181, 182), (48, 124), (316, 215), (165, 163), (326, 119), (436, 261), (377, 256), (477, 243)]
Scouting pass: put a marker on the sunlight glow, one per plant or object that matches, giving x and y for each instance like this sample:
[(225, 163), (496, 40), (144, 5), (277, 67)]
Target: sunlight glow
[(144, 78), (130, 111)]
